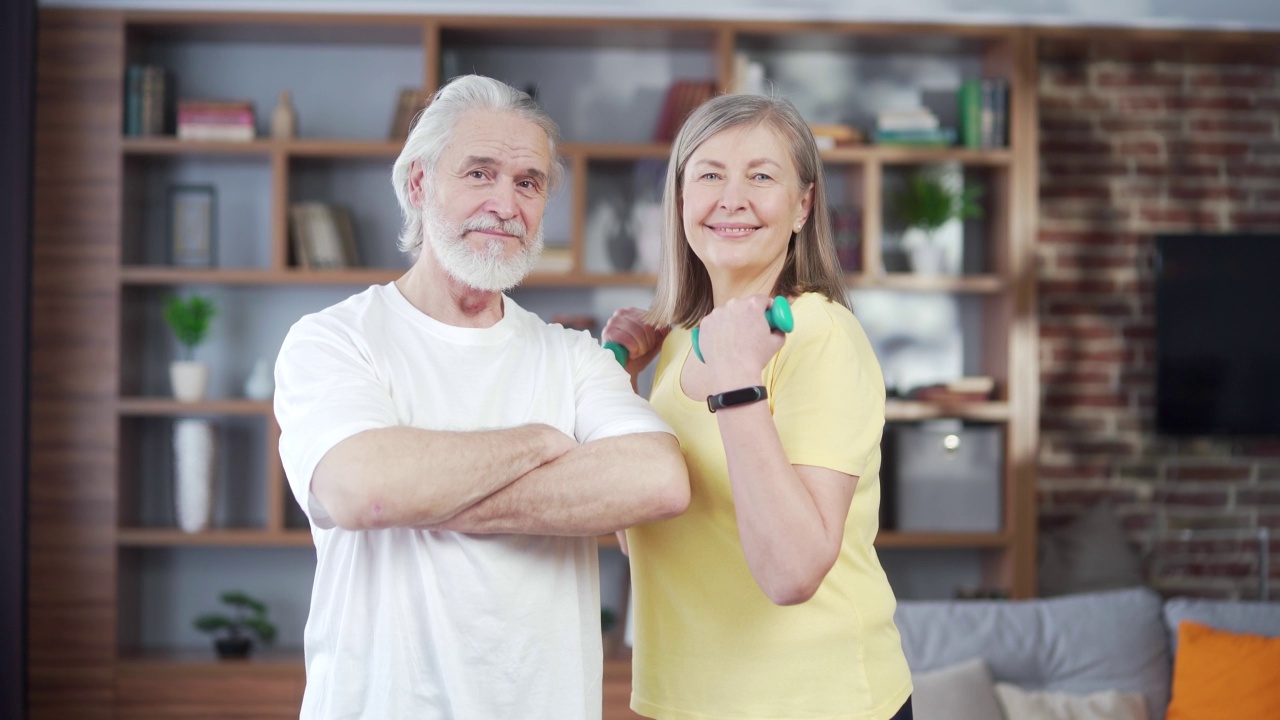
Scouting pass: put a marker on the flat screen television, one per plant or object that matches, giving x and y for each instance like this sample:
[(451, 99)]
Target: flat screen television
[(1218, 335)]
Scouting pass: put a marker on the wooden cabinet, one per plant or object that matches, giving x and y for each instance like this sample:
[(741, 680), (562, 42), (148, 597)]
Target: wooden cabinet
[(102, 411)]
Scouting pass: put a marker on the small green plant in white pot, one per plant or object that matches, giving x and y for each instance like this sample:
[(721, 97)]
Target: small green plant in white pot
[(928, 201), (234, 631), (189, 319)]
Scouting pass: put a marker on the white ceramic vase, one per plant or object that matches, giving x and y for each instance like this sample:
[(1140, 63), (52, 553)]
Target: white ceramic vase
[(190, 380), (194, 456), (928, 258), (647, 219), (284, 119), (260, 385)]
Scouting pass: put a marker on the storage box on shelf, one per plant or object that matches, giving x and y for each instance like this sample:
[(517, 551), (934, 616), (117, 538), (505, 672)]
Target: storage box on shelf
[(607, 82)]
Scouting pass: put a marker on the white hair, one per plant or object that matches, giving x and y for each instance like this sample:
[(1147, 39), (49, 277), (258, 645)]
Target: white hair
[(434, 128)]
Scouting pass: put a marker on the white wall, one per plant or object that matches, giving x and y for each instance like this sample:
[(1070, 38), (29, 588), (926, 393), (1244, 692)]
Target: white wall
[(1234, 14)]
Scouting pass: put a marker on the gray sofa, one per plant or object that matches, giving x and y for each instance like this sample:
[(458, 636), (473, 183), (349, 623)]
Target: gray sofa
[(1119, 640)]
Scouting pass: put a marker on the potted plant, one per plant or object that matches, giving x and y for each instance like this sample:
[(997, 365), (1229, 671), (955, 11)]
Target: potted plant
[(233, 633), (925, 204), (608, 621), (189, 319)]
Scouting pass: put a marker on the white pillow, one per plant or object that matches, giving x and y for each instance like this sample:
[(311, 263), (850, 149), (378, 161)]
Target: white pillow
[(964, 691), (1022, 704)]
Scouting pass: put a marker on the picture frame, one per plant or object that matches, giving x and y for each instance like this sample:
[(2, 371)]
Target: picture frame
[(193, 214)]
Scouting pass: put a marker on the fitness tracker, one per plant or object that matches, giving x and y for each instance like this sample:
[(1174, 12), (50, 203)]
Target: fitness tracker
[(741, 396)]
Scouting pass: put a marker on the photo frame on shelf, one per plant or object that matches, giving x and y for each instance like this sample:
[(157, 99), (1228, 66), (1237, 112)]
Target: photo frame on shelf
[(193, 213)]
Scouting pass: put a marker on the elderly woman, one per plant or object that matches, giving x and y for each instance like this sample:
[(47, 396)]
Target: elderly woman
[(765, 599)]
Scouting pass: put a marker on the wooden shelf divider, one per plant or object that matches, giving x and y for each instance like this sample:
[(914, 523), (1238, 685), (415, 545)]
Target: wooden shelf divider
[(242, 537), (170, 407)]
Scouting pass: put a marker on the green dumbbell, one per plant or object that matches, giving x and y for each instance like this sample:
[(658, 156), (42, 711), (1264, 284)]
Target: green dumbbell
[(619, 353), (778, 315)]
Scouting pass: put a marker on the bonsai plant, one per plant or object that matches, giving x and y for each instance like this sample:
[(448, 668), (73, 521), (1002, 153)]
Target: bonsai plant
[(233, 633), (189, 319), (926, 203)]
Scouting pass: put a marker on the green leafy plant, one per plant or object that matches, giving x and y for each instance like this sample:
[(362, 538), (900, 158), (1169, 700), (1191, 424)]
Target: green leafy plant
[(928, 202), (248, 618), (189, 319)]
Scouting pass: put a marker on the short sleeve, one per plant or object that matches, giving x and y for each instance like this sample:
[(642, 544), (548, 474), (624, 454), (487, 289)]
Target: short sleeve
[(326, 392), (828, 391), (606, 406)]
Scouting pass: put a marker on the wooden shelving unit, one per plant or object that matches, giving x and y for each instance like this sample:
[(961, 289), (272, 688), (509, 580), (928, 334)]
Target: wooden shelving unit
[(99, 397), (168, 407), (168, 537), (161, 275), (166, 276), (890, 539)]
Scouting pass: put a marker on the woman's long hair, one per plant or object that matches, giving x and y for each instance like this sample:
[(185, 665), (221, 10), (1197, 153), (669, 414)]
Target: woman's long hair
[(684, 293)]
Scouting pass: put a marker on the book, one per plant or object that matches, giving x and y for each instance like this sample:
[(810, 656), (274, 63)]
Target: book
[(973, 383), (133, 100), (972, 111), (940, 394), (683, 97), (965, 389), (341, 217), (410, 102), (995, 112), (216, 120), (298, 236), (554, 259), (923, 138), (237, 133), (147, 100), (917, 118), (831, 135), (322, 236)]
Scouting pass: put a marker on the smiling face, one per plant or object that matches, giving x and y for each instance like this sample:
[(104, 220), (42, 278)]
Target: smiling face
[(741, 202), (483, 212)]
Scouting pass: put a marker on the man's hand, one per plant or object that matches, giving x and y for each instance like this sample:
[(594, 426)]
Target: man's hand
[(410, 477), (555, 442)]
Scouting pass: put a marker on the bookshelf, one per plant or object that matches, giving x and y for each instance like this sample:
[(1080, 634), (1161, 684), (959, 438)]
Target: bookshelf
[(125, 580)]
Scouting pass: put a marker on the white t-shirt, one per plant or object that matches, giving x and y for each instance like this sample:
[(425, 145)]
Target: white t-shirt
[(424, 625)]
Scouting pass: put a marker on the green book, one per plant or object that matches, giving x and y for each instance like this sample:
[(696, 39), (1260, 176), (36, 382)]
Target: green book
[(969, 98)]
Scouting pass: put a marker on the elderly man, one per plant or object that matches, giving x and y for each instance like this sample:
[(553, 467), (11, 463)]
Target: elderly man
[(457, 456)]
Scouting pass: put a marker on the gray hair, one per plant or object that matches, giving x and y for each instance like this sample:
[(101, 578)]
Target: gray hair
[(433, 130), (684, 294)]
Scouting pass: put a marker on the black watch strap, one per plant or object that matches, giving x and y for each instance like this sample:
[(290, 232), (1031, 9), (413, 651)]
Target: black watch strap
[(741, 396)]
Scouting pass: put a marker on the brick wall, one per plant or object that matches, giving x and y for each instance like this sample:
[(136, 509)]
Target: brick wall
[(1129, 149)]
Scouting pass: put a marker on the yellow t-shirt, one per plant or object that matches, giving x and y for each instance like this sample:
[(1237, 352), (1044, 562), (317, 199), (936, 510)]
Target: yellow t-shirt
[(708, 643)]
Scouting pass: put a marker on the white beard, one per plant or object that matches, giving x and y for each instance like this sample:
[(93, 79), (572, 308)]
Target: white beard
[(484, 269)]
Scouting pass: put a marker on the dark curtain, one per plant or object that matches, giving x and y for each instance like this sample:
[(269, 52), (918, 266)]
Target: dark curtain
[(17, 110)]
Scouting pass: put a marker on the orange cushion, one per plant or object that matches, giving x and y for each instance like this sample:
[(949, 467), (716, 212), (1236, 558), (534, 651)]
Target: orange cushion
[(1218, 674)]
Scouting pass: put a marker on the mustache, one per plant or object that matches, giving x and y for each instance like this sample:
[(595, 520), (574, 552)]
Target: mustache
[(513, 226)]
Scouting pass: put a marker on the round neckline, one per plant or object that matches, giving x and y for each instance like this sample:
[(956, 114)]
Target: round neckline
[(495, 334)]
